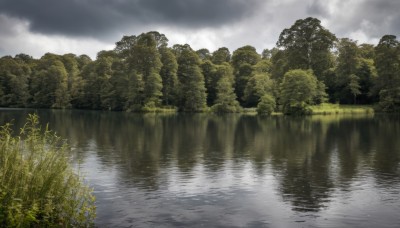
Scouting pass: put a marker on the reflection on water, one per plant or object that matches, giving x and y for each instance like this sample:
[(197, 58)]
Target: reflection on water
[(203, 170)]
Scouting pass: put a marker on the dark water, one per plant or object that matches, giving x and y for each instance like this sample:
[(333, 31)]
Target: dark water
[(235, 170)]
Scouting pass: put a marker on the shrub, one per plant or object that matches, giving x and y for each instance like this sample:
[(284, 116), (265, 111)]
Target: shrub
[(298, 109), (38, 187), (266, 105)]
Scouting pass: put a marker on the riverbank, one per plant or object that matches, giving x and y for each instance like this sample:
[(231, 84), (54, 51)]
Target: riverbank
[(326, 109), (331, 109)]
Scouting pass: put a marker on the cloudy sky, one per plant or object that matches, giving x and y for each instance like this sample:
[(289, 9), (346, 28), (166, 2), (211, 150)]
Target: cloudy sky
[(35, 27)]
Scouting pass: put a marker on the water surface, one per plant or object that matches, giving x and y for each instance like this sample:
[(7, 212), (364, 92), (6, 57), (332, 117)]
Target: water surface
[(201, 170)]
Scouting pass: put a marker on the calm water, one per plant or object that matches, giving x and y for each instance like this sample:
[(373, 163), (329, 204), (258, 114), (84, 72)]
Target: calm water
[(234, 170)]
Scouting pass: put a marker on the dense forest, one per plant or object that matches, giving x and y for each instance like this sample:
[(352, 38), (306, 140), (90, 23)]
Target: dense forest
[(308, 66)]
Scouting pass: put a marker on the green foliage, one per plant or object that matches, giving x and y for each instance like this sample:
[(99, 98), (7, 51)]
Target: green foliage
[(135, 92), (279, 67), (243, 60), (143, 74), (204, 54), (145, 60), (74, 79), (329, 109), (38, 187), (169, 76), (266, 105), (387, 60), (299, 88), (97, 87), (226, 98), (49, 86), (210, 79), (354, 86), (348, 63), (14, 77), (222, 55), (307, 44), (192, 87), (389, 100), (258, 85)]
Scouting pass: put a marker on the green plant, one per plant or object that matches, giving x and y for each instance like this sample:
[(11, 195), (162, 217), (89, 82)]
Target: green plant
[(266, 105), (38, 187)]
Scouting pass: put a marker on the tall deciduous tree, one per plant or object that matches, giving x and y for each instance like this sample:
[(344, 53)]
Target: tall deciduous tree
[(192, 88), (221, 55), (243, 60), (211, 79), (348, 63), (225, 98), (387, 60), (259, 83), (75, 81), (169, 76), (50, 83), (298, 90), (354, 87), (308, 44), (145, 60), (14, 77), (204, 54)]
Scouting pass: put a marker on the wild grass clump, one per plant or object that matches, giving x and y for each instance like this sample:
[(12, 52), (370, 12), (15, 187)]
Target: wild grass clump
[(329, 109), (38, 186)]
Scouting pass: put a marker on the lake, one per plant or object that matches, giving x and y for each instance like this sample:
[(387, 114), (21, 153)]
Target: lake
[(203, 170)]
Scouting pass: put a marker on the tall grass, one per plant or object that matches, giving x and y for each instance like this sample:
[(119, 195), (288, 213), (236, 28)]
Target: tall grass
[(38, 187), (328, 109)]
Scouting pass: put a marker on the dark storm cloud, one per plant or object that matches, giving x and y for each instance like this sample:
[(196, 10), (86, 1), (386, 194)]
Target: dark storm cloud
[(317, 8), (383, 16), (374, 18), (96, 17)]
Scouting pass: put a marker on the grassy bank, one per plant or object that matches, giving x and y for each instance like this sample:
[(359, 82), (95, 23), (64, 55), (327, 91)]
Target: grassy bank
[(329, 109), (38, 187), (326, 109)]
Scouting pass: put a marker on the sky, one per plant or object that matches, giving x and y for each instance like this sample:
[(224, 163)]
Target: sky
[(35, 27)]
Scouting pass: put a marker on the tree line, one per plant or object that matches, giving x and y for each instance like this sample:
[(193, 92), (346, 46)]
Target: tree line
[(308, 66)]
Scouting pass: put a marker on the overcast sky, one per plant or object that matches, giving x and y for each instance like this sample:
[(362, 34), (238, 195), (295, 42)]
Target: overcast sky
[(35, 27)]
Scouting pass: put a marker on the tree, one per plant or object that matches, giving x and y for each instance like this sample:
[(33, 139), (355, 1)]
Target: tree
[(124, 46), (75, 81), (145, 60), (266, 105), (367, 51), (134, 95), (225, 96), (387, 61), (367, 76), (348, 63), (308, 44), (211, 79), (49, 85), (169, 76), (14, 77), (160, 39), (279, 61), (268, 53), (98, 88), (243, 60), (354, 86), (221, 55), (298, 90), (192, 89), (83, 60), (204, 54), (116, 97), (258, 85)]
